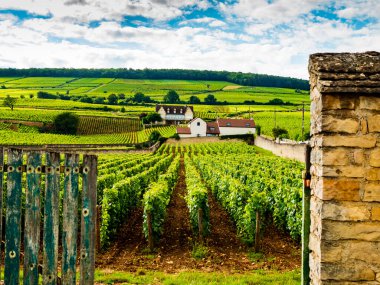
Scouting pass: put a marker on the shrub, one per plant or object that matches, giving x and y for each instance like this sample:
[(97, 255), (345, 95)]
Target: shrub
[(66, 123), (154, 136), (277, 132)]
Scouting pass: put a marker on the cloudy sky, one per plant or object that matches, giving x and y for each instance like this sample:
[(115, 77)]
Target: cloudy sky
[(262, 36)]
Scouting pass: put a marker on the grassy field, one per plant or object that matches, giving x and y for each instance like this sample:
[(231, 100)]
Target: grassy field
[(201, 278), (156, 89)]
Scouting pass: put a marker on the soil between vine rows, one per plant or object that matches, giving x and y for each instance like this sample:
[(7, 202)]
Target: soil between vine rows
[(225, 251)]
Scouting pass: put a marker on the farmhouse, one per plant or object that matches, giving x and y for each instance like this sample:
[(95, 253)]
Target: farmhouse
[(174, 115), (221, 127)]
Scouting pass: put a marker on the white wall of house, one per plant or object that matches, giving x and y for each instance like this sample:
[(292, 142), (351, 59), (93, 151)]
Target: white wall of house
[(162, 114), (228, 131), (189, 115), (198, 128), (186, 135)]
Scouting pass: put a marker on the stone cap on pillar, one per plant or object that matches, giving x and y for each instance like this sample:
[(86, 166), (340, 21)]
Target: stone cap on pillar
[(345, 72)]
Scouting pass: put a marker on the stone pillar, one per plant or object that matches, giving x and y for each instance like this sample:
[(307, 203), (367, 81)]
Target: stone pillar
[(345, 186)]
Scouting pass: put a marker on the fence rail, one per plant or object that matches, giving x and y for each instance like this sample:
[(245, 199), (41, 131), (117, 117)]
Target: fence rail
[(51, 196)]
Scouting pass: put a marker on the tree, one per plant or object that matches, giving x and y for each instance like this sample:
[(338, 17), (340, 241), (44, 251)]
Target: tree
[(151, 118), (194, 100), (31, 96), (210, 99), (138, 97), (280, 133), (99, 100), (112, 99), (66, 123), (9, 102), (171, 97), (121, 96), (154, 136)]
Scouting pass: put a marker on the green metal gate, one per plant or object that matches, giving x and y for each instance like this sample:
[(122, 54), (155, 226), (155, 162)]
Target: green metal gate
[(43, 194)]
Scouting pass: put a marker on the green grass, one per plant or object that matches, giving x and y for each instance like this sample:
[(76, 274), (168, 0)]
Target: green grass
[(199, 251), (154, 88), (193, 277)]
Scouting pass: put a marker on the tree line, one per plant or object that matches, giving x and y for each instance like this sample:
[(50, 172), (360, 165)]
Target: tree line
[(246, 79)]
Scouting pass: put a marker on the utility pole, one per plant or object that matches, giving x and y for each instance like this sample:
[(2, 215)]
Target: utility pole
[(275, 121), (303, 119)]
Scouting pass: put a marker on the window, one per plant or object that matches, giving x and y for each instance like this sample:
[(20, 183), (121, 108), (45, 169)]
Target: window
[(212, 129), (168, 110), (180, 111), (247, 124), (228, 124), (175, 111), (198, 123)]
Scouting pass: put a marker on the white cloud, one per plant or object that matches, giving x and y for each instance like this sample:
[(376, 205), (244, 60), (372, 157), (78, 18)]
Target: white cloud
[(92, 10), (212, 22), (362, 9), (275, 38)]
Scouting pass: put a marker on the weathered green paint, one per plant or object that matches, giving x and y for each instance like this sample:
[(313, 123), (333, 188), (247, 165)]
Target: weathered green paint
[(88, 220), (70, 219), (13, 218), (32, 218), (306, 221), (51, 219), (1, 202)]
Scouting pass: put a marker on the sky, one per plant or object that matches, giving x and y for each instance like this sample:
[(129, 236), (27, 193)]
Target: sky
[(260, 36)]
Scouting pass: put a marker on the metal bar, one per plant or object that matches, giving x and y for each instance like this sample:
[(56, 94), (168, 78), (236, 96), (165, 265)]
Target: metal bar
[(70, 219), (32, 218), (306, 219), (88, 220), (51, 219), (1, 205), (13, 218)]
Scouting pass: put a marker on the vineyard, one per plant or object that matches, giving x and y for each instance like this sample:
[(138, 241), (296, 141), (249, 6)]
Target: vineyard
[(101, 125), (206, 179), (10, 137)]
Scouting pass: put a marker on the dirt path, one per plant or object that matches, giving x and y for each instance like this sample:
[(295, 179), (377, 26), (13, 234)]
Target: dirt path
[(174, 252)]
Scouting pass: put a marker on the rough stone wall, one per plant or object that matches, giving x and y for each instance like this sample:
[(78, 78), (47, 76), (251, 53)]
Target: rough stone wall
[(288, 150), (345, 202)]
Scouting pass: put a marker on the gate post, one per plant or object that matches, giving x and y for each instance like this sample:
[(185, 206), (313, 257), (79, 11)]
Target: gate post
[(345, 187)]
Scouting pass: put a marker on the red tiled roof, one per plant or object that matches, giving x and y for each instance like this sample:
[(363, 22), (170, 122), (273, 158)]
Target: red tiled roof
[(212, 128), (183, 130), (173, 108), (236, 123)]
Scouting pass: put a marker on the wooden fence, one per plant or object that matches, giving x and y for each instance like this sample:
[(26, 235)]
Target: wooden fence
[(33, 201)]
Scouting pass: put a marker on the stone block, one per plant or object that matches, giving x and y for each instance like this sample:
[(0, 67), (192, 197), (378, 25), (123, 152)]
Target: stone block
[(332, 124), (361, 231), (359, 157), (373, 174), (339, 189), (365, 141), (336, 156), (337, 102), (374, 158), (375, 212), (343, 171), (369, 103), (353, 272), (346, 211), (374, 124), (372, 192)]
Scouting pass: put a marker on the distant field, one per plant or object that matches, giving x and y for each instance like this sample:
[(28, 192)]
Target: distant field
[(129, 131), (156, 89)]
